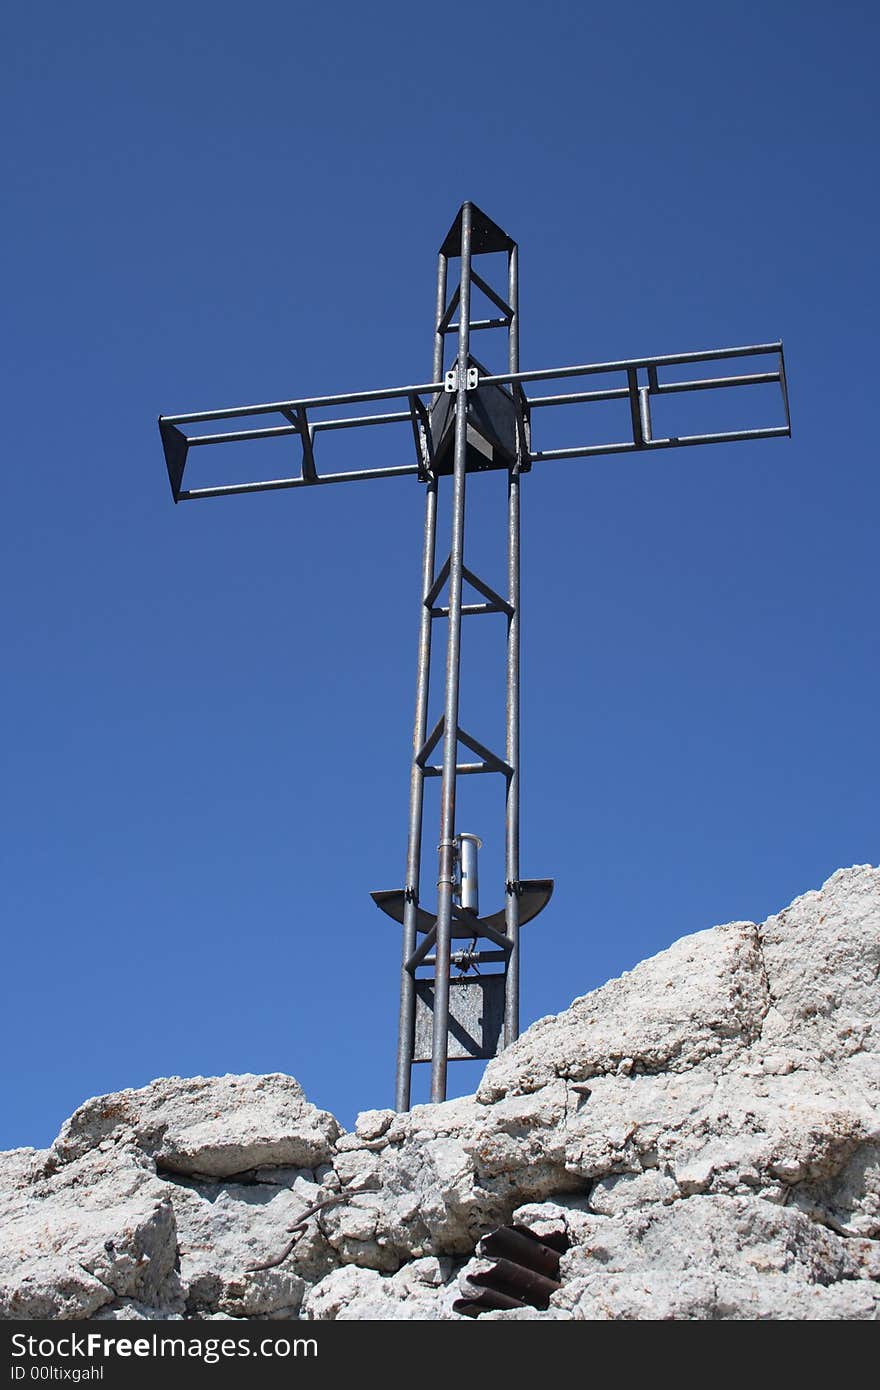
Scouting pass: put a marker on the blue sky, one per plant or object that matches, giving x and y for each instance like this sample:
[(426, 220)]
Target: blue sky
[(207, 709)]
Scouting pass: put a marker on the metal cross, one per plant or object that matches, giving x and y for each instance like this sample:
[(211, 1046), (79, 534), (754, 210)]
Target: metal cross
[(466, 419)]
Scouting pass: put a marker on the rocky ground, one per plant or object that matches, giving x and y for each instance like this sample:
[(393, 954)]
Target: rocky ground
[(704, 1131)]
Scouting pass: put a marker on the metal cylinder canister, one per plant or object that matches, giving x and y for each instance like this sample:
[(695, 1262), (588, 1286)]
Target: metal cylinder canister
[(469, 876)]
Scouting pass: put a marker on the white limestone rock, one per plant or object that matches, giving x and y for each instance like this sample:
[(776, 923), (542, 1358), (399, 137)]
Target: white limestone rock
[(74, 1241), (822, 959), (424, 1290), (129, 1310), (373, 1124), (703, 1132), (447, 1175), (628, 1191), (697, 1003), (217, 1126), (226, 1228), (711, 1258)]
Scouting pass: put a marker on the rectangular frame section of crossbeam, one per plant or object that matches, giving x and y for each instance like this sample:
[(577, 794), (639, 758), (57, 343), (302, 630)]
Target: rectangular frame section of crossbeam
[(642, 383), (177, 443)]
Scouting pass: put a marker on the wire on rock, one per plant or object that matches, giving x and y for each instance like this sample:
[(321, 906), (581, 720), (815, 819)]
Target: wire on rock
[(298, 1229)]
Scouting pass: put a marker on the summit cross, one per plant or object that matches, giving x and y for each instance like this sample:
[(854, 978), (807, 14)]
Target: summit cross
[(464, 420)]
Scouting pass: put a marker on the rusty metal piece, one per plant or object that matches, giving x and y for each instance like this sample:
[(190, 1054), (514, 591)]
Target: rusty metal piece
[(514, 1269), (522, 1246)]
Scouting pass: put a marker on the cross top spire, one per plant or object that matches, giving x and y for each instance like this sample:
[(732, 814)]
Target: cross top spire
[(486, 235)]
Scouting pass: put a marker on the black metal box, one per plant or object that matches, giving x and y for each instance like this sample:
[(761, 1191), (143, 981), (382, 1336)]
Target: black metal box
[(491, 433)]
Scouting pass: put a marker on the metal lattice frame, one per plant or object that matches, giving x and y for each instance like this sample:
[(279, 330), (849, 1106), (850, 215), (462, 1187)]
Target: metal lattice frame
[(464, 420)]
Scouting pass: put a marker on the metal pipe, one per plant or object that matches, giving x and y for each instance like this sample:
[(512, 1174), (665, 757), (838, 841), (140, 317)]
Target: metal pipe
[(476, 958), (469, 847), (446, 848), (407, 1016), (432, 387), (542, 455), (476, 324), (618, 393), (446, 313), (715, 383), (506, 309), (430, 743), (425, 388), (439, 341), (482, 928), (535, 1288), (230, 436), (594, 368), (470, 608), (478, 1295), (645, 412), (525, 1250), (485, 589), (275, 484), (511, 816), (439, 580), (279, 431), (483, 752), (393, 418), (462, 769), (410, 964), (634, 407), (681, 441)]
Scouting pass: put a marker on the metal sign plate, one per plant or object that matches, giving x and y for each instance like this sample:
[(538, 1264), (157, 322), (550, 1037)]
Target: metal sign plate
[(476, 1017)]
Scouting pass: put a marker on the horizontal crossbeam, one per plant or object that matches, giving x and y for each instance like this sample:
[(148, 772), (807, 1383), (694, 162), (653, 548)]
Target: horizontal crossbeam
[(638, 391), (476, 958), (464, 769), (477, 324), (468, 609)]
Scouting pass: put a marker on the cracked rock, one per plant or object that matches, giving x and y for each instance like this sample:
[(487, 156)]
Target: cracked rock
[(702, 1133), (212, 1126)]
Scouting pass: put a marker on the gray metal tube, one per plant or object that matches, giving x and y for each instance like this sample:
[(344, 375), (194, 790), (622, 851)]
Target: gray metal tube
[(469, 847), (594, 368), (406, 1023), (681, 441), (439, 343), (279, 431), (230, 412), (511, 820), (416, 959), (275, 484), (447, 847), (645, 412)]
